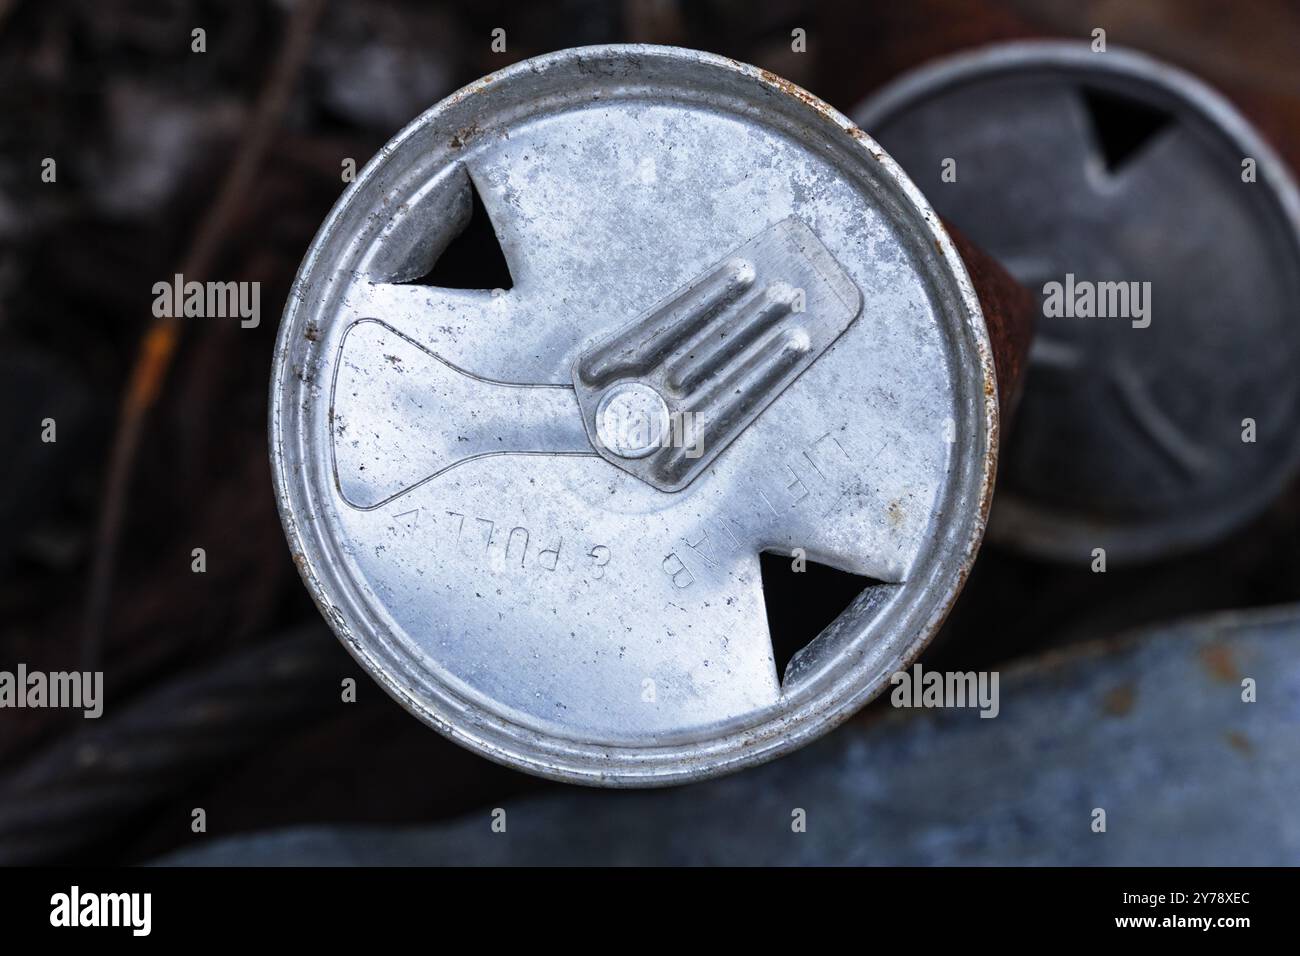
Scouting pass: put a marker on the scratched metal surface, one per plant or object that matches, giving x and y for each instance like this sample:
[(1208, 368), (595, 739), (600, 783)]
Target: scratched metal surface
[(1129, 438), (520, 599), (1152, 729)]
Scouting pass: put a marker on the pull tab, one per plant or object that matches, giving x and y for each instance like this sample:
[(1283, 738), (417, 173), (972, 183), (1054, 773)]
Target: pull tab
[(665, 394)]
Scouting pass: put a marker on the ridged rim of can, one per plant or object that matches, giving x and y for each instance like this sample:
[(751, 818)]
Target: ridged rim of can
[(940, 579), (1044, 531)]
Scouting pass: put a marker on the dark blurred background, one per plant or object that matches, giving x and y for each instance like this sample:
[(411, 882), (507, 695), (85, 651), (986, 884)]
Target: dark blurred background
[(223, 687)]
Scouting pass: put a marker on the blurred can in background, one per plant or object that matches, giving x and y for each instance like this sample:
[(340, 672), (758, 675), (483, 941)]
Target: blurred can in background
[(1162, 236)]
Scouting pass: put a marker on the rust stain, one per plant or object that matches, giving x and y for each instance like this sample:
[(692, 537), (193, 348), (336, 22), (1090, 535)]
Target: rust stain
[(798, 92), (896, 514), (1118, 701), (1239, 742), (463, 136), (1218, 663)]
